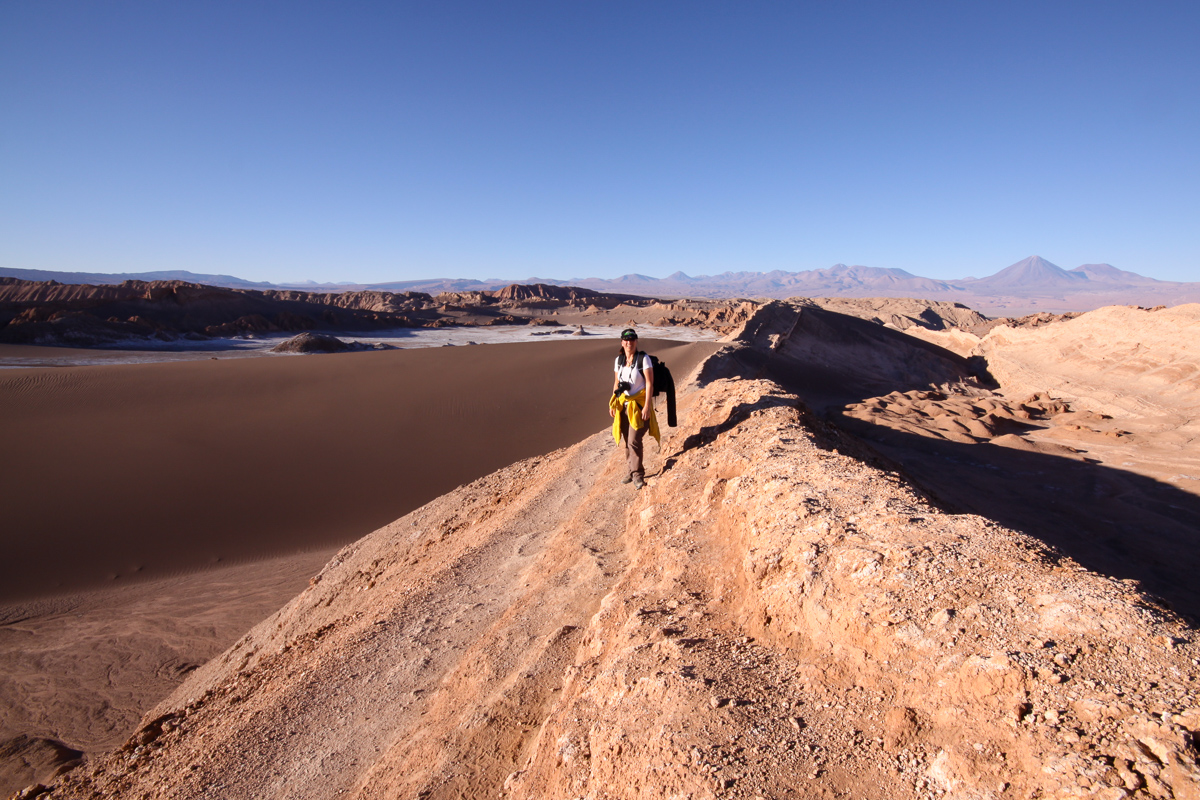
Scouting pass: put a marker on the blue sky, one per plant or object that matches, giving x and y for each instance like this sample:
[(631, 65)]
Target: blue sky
[(394, 141)]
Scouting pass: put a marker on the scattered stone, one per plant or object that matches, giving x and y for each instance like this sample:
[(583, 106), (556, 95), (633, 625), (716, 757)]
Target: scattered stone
[(30, 792)]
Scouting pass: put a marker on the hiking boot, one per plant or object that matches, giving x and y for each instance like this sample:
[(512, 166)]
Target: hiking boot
[(627, 479), (638, 482)]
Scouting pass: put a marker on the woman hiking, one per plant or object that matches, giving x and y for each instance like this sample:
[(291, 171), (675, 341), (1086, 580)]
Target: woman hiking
[(632, 404)]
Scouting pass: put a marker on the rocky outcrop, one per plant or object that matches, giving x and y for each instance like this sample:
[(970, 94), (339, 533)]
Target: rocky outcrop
[(50, 313), (903, 313), (81, 329), (1027, 321), (539, 292), (777, 614), (321, 343)]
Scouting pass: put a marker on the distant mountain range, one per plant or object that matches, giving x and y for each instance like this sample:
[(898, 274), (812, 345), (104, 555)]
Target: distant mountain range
[(1033, 284), (107, 278)]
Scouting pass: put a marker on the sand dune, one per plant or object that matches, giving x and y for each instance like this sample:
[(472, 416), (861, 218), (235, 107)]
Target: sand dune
[(143, 470), (77, 671)]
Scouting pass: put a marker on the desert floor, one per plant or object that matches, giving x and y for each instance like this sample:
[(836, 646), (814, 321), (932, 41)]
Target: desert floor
[(154, 512)]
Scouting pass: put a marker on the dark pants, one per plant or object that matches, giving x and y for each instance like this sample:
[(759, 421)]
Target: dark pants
[(633, 444)]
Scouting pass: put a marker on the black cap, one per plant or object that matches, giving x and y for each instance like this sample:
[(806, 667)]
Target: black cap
[(629, 333)]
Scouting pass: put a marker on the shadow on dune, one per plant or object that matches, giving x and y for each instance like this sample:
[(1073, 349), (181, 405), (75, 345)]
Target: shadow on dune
[(1110, 521)]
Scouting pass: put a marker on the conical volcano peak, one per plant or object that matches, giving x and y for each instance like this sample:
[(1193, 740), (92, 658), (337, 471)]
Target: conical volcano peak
[(1032, 266), (1032, 272)]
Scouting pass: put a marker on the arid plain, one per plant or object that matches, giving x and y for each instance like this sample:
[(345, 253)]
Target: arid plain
[(892, 550)]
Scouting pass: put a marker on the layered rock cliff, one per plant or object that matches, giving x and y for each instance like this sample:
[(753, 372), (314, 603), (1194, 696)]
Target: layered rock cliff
[(84, 315), (778, 614)]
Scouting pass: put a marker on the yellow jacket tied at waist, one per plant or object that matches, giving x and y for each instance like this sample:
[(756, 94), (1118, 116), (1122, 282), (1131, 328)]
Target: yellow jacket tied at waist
[(633, 408)]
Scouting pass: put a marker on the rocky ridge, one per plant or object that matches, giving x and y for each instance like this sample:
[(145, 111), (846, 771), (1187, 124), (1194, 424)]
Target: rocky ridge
[(904, 313), (87, 316), (779, 614)]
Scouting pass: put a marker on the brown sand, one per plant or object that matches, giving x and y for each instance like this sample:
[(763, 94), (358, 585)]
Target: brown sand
[(79, 670), (148, 469), (35, 355), (154, 512)]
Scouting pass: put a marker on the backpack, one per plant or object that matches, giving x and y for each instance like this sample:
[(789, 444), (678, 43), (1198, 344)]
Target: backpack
[(664, 383)]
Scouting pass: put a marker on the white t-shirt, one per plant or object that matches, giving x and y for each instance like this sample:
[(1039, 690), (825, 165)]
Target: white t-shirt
[(631, 374)]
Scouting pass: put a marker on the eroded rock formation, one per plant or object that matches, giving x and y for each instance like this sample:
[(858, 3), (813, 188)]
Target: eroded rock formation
[(89, 316)]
